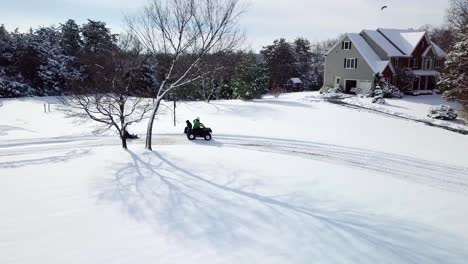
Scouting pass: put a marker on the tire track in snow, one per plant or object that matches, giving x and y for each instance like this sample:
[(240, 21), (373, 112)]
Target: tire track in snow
[(435, 174)]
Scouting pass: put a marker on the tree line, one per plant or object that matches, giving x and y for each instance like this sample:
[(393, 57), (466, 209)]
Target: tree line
[(50, 61)]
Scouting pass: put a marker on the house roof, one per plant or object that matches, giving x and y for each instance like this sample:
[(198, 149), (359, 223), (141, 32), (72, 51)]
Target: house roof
[(404, 40), (438, 51), (295, 80), (386, 45), (373, 60)]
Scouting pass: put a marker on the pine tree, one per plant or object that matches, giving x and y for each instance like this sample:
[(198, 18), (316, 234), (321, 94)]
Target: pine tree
[(303, 56), (252, 80), (281, 62), (70, 41), (454, 82), (97, 38)]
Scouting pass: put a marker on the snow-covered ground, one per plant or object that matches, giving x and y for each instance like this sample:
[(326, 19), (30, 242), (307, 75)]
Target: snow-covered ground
[(288, 180), (414, 107)]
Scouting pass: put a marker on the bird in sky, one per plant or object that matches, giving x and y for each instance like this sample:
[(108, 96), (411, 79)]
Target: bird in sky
[(383, 7)]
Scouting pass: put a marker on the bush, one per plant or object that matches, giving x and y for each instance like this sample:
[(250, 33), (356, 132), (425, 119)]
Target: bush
[(443, 112), (390, 91), (10, 88), (378, 96)]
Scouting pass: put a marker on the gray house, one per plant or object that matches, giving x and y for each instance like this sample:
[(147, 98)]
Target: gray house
[(355, 60)]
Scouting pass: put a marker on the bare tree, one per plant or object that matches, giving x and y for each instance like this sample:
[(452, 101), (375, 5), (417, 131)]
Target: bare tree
[(457, 15), (106, 94), (184, 31)]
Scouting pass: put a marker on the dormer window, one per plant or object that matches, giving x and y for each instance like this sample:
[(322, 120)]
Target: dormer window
[(346, 45), (415, 63), (396, 62)]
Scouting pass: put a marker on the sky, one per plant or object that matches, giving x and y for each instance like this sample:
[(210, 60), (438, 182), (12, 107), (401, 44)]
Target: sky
[(263, 21)]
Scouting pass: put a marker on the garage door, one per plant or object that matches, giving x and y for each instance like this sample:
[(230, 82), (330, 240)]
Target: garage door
[(364, 86)]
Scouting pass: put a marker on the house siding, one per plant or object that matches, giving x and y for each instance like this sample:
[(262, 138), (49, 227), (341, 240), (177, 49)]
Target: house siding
[(418, 52), (334, 66)]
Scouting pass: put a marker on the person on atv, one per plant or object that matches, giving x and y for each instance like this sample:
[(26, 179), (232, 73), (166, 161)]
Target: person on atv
[(188, 128), (197, 124)]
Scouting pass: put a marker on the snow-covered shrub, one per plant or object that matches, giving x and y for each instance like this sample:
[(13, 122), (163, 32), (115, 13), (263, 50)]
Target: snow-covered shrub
[(10, 88), (378, 96), (391, 91), (388, 90), (443, 112)]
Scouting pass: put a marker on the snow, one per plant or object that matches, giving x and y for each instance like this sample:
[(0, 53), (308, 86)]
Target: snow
[(372, 59), (414, 107), (296, 80), (388, 47), (426, 73), (405, 40), (287, 180)]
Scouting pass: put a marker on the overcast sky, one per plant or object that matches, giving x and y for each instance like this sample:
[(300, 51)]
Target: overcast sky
[(264, 21)]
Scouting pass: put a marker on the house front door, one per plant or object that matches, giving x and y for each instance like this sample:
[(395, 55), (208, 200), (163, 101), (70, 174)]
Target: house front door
[(337, 82), (423, 85)]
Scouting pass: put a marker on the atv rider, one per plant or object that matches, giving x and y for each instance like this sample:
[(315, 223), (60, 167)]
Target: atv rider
[(197, 125), (188, 128)]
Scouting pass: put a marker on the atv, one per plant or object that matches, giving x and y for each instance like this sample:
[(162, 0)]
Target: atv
[(192, 134)]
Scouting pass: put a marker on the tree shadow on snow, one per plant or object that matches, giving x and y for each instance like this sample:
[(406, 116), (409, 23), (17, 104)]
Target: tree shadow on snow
[(233, 216)]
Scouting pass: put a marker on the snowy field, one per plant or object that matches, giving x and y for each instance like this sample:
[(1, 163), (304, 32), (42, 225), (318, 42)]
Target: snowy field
[(288, 180)]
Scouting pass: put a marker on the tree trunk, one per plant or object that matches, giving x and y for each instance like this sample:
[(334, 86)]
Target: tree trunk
[(149, 131), (124, 142)]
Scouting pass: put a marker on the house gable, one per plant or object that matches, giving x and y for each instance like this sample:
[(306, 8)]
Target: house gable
[(368, 62)]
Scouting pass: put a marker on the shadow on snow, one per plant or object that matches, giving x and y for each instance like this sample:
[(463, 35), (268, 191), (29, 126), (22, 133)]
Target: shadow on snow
[(232, 216)]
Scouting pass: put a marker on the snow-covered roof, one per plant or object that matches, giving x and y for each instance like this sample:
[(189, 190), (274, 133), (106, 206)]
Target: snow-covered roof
[(426, 73), (380, 40), (438, 51), (405, 40), (373, 60), (295, 80)]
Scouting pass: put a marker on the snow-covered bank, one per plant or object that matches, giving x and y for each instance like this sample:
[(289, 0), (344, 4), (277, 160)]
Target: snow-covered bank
[(289, 180), (412, 107)]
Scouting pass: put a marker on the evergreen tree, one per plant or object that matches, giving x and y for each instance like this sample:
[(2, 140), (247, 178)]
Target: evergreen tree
[(454, 82), (70, 41), (252, 80), (280, 61), (303, 56), (97, 38)]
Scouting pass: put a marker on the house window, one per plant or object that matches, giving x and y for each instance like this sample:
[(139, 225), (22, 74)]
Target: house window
[(415, 63), (350, 63), (346, 45), (396, 62), (429, 64), (337, 81), (438, 63)]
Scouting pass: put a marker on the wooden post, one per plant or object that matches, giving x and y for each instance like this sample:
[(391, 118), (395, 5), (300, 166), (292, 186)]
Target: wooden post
[(48, 106), (45, 109), (175, 106)]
